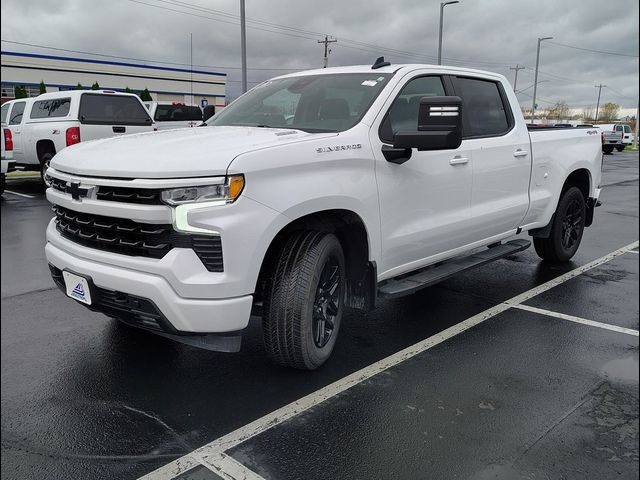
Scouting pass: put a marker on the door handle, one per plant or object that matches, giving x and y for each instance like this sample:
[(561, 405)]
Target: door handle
[(458, 160), (520, 153)]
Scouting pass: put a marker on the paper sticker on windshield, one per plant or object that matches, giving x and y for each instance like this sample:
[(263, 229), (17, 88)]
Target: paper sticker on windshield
[(380, 79), (369, 83)]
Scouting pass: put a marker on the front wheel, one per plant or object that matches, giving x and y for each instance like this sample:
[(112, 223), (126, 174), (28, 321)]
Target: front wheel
[(566, 231), (45, 162), (304, 300)]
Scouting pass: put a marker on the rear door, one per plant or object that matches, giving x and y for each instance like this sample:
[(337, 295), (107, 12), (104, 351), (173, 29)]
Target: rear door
[(501, 157), (103, 115)]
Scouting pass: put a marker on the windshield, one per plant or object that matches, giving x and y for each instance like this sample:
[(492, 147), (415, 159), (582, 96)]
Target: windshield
[(313, 103)]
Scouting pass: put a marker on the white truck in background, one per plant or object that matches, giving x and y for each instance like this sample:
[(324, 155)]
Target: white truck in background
[(44, 125), (312, 192), (168, 115), (6, 159), (616, 135)]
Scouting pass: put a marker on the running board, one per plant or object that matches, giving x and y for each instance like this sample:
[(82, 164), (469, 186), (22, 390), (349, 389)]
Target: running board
[(406, 285)]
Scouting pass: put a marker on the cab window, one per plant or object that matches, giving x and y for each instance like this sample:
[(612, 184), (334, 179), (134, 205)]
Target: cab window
[(16, 113), (403, 113)]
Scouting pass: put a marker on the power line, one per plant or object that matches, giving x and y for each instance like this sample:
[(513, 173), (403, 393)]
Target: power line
[(594, 51)]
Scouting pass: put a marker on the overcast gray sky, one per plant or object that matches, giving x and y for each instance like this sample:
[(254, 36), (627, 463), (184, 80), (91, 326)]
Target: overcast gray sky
[(282, 34)]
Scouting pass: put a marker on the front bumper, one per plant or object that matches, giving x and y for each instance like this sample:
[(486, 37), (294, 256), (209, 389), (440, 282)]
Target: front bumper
[(184, 315)]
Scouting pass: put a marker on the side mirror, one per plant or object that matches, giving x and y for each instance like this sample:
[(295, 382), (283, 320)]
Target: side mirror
[(208, 112), (439, 126)]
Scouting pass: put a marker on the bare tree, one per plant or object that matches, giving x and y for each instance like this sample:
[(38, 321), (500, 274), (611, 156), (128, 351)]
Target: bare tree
[(609, 112), (559, 111), (588, 114)]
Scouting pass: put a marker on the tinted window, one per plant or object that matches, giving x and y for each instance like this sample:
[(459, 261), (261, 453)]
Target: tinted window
[(627, 129), (111, 109), (176, 113), (5, 110), (403, 114), (330, 102), (619, 128), (16, 113), (51, 108), (483, 111)]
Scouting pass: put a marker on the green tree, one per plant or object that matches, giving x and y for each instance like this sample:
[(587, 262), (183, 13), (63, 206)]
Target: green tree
[(43, 87), (19, 91), (609, 112), (145, 96), (95, 86), (127, 90), (79, 86)]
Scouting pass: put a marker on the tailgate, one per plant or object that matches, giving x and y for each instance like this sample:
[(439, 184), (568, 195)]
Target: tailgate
[(105, 115)]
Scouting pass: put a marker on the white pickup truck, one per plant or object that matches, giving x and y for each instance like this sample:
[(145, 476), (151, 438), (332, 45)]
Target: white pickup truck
[(167, 115), (44, 125), (387, 179)]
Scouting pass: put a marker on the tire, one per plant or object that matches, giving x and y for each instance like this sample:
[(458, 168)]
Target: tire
[(45, 161), (608, 149), (3, 181), (304, 301), (567, 229), (620, 149)]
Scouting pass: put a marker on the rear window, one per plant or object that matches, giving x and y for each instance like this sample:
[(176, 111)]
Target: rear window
[(16, 113), (96, 109), (483, 109), (176, 113), (619, 128), (51, 108), (627, 129)]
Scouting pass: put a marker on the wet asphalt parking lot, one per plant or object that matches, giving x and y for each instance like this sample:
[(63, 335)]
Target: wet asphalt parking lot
[(515, 370)]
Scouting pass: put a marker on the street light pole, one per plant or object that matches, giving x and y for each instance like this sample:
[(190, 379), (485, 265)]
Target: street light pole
[(442, 5), (535, 80)]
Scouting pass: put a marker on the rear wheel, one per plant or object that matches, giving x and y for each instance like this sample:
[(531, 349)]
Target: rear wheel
[(566, 231), (608, 149), (620, 148), (3, 180), (304, 301), (45, 162)]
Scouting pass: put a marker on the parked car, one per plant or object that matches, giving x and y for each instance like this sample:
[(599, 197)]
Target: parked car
[(614, 137), (6, 159), (387, 180), (44, 125), (167, 115)]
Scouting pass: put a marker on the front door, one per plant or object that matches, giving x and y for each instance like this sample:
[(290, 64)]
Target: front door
[(425, 203)]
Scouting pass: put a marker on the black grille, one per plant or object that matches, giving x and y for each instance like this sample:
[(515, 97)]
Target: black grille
[(129, 195), (126, 237), (135, 310), (147, 196)]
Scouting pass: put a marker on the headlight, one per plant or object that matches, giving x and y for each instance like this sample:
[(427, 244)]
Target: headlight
[(226, 192)]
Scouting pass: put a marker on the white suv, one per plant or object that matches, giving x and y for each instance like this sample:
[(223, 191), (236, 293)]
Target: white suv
[(44, 125)]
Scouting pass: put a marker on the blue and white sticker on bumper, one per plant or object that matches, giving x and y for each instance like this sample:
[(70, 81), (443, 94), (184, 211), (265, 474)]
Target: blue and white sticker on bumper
[(77, 287)]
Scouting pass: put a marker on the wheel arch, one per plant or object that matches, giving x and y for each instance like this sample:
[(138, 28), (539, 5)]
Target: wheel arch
[(45, 146), (351, 231)]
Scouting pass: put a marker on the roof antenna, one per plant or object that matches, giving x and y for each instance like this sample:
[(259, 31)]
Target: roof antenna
[(379, 63)]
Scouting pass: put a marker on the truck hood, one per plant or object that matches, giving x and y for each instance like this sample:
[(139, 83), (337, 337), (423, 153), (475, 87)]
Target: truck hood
[(185, 152)]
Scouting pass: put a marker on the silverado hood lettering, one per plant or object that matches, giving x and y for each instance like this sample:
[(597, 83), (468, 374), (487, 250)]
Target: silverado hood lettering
[(181, 153)]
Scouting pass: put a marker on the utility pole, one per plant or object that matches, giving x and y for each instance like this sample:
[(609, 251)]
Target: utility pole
[(535, 81), (442, 5), (243, 45), (599, 87), (327, 51), (515, 80), (191, 71)]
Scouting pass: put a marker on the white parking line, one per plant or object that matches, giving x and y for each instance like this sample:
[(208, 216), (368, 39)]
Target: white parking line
[(210, 453), (19, 194), (634, 251), (581, 320)]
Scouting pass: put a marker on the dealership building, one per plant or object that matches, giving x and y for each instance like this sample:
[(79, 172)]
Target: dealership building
[(165, 83)]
